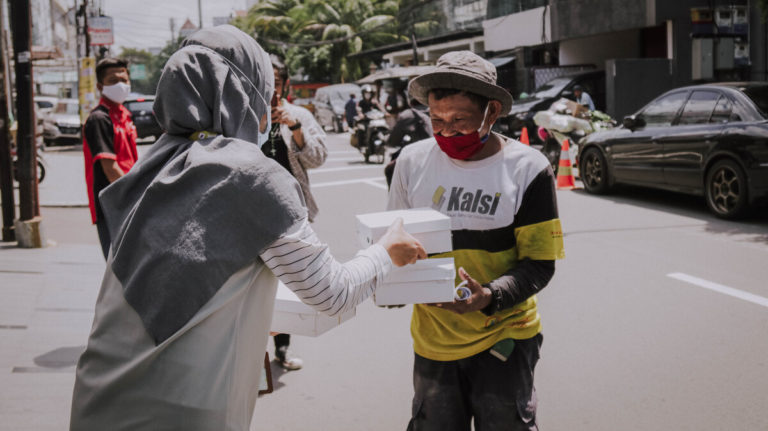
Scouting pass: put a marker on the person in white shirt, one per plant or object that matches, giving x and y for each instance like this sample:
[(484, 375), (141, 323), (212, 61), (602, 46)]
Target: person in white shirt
[(583, 98)]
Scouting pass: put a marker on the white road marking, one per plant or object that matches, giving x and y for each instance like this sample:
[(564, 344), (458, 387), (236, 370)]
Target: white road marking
[(725, 290), (376, 183), (344, 159), (347, 168), (370, 181)]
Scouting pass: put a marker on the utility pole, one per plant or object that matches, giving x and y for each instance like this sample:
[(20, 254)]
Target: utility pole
[(172, 23), (28, 227), (6, 165), (199, 14)]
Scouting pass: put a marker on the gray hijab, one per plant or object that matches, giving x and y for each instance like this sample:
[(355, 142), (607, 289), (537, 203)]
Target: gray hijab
[(192, 212)]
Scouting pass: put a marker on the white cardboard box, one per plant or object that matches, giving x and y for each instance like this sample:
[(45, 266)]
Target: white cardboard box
[(415, 292), (424, 282), (291, 316), (430, 227), (423, 270)]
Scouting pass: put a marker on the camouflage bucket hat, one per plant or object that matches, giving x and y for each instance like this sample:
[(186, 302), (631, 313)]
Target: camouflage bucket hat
[(461, 70)]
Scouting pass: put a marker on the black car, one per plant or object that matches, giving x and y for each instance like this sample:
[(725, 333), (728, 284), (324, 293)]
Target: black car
[(709, 140), (144, 116), (523, 110)]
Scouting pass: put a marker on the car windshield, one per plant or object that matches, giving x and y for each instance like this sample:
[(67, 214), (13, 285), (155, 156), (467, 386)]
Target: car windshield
[(551, 88), (140, 106), (759, 96), (67, 108)]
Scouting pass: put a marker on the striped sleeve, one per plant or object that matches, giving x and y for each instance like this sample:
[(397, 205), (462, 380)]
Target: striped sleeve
[(306, 266)]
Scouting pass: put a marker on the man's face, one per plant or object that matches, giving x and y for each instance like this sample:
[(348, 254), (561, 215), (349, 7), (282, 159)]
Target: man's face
[(457, 114), (577, 93), (113, 75)]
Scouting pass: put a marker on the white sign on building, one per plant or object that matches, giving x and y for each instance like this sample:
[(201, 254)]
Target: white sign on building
[(100, 30)]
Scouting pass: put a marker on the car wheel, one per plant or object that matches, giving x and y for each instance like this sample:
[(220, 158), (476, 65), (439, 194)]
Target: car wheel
[(40, 172), (726, 188), (594, 171)]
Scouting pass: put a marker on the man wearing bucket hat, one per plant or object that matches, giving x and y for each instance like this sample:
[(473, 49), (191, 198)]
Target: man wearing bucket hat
[(475, 359)]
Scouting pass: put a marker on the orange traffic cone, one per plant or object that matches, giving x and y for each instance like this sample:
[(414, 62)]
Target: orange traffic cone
[(524, 136), (565, 178)]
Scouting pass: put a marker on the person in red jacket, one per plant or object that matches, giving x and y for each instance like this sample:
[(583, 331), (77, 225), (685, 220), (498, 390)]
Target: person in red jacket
[(109, 139)]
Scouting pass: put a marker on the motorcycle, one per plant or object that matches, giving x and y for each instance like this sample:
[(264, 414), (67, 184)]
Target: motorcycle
[(42, 166), (370, 136)]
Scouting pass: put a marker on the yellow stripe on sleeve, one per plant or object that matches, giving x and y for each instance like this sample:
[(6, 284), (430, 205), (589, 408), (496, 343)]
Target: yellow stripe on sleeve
[(540, 241)]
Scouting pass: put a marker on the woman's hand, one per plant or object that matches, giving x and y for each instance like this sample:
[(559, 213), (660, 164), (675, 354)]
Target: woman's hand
[(402, 247)]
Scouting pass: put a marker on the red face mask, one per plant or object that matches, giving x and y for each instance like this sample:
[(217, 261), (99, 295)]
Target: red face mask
[(462, 147)]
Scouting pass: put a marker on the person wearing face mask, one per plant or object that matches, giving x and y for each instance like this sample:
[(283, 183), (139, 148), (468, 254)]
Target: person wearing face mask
[(202, 228), (296, 142), (475, 358), (109, 139)]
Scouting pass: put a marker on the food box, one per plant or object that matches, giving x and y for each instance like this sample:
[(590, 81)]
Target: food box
[(291, 316), (431, 228), (415, 292), (424, 282)]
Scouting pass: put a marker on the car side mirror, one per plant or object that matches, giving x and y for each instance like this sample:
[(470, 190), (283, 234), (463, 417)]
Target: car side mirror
[(633, 122)]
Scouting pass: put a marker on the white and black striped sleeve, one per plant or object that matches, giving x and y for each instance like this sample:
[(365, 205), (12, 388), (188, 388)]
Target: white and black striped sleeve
[(305, 265)]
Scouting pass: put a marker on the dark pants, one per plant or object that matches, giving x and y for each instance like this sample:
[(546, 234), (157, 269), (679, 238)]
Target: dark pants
[(101, 229), (282, 341), (498, 395)]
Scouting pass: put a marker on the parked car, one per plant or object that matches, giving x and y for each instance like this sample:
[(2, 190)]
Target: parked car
[(523, 110), (709, 140), (62, 125), (329, 105), (45, 104), (141, 108)]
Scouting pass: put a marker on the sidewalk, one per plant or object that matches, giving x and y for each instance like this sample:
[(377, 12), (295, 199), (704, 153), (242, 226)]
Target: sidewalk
[(45, 318)]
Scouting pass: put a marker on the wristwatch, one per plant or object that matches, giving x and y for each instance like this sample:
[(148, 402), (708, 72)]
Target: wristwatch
[(295, 127), (496, 301)]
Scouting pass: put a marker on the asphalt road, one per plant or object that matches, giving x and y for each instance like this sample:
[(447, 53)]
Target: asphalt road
[(626, 344), (656, 319)]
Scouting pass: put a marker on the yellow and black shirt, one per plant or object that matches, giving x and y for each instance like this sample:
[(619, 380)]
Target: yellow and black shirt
[(506, 234)]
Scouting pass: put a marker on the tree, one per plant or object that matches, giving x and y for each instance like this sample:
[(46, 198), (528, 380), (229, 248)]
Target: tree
[(154, 65), (317, 37), (140, 56)]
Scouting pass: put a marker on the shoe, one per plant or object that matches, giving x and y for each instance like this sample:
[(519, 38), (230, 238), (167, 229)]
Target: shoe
[(292, 364)]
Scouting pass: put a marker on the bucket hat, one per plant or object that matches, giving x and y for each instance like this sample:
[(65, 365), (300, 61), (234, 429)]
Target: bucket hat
[(461, 70)]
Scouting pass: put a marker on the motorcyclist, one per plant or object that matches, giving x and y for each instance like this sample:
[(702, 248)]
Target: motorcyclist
[(413, 122), (367, 104)]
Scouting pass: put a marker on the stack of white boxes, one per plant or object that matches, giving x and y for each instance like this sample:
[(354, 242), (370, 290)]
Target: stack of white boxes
[(291, 316), (427, 281)]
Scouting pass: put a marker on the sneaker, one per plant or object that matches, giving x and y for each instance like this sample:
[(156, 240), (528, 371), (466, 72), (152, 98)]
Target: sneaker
[(292, 364)]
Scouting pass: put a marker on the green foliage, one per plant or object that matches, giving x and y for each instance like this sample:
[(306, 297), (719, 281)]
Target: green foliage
[(763, 6), (154, 65), (317, 37)]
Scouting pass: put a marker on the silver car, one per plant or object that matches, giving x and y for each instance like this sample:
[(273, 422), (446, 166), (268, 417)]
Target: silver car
[(329, 105), (62, 126)]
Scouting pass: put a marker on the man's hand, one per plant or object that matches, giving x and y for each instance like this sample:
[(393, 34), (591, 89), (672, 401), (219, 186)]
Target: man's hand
[(481, 297), (401, 246), (280, 115)]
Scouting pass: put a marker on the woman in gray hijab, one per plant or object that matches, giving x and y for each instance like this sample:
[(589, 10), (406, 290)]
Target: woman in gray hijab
[(203, 227)]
